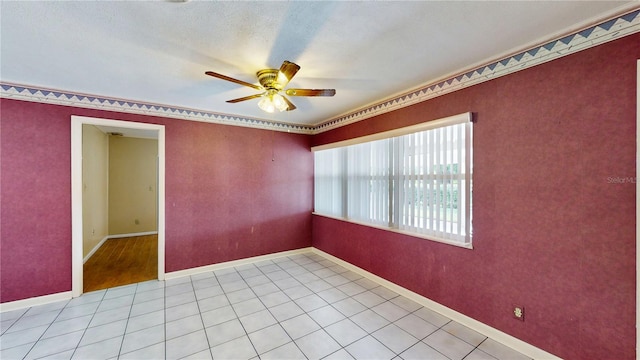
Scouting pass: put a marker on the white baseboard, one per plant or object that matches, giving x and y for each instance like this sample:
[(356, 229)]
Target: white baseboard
[(35, 301), (495, 334), (118, 236), (46, 299), (95, 248), (233, 263)]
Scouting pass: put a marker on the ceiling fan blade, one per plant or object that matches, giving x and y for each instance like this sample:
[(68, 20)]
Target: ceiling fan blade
[(311, 92), (245, 98), (224, 77), (289, 104), (287, 71)]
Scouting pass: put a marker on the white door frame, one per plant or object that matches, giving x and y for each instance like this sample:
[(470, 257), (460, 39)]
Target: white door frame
[(637, 180), (76, 192)]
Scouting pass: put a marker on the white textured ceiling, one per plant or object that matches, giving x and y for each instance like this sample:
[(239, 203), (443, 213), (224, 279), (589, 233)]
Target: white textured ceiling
[(158, 51)]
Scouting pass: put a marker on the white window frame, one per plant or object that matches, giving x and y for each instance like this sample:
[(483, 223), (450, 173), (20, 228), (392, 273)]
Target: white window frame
[(394, 220)]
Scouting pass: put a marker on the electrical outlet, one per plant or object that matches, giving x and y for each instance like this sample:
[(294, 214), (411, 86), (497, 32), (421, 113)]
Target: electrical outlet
[(518, 312)]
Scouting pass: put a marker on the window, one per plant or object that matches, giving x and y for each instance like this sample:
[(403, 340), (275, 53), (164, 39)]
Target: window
[(413, 180)]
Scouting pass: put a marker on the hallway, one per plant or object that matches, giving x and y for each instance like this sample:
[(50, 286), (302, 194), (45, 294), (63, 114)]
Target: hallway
[(122, 261)]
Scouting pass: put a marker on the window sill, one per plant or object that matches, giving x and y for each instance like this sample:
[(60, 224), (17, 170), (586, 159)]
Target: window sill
[(398, 231)]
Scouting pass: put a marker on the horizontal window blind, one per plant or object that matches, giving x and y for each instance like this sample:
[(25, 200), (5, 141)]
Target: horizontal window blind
[(417, 181)]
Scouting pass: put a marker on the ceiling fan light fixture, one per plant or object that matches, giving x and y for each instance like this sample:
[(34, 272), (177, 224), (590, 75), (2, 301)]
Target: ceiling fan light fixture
[(272, 101), (266, 104), (279, 102)]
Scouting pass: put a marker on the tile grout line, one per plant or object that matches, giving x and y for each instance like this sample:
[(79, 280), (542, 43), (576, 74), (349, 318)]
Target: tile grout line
[(477, 348), (290, 300), (371, 309), (135, 292), (204, 328), (234, 311), (54, 320), (128, 318), (306, 312), (366, 308), (328, 305), (267, 308), (331, 305), (294, 272), (44, 332), (164, 318)]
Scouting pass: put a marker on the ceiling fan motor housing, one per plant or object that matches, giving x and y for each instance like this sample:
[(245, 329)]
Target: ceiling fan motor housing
[(268, 78)]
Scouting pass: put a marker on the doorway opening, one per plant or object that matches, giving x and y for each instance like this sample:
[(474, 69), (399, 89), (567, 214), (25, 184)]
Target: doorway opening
[(121, 261), (82, 227)]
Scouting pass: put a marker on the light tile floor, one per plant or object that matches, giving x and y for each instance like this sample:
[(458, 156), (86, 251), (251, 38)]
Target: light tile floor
[(297, 307)]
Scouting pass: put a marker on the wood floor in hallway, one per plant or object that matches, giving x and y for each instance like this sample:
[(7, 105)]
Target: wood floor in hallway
[(122, 261)]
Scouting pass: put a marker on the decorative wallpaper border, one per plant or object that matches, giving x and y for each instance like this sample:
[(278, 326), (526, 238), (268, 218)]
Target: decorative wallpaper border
[(613, 29), (30, 93)]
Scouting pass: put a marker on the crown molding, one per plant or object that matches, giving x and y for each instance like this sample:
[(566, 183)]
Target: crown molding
[(591, 36)]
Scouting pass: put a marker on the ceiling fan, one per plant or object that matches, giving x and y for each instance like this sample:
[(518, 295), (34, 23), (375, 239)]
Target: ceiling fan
[(272, 82)]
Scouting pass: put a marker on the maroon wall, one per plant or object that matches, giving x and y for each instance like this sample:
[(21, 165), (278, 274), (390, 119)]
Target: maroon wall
[(231, 193), (553, 216)]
